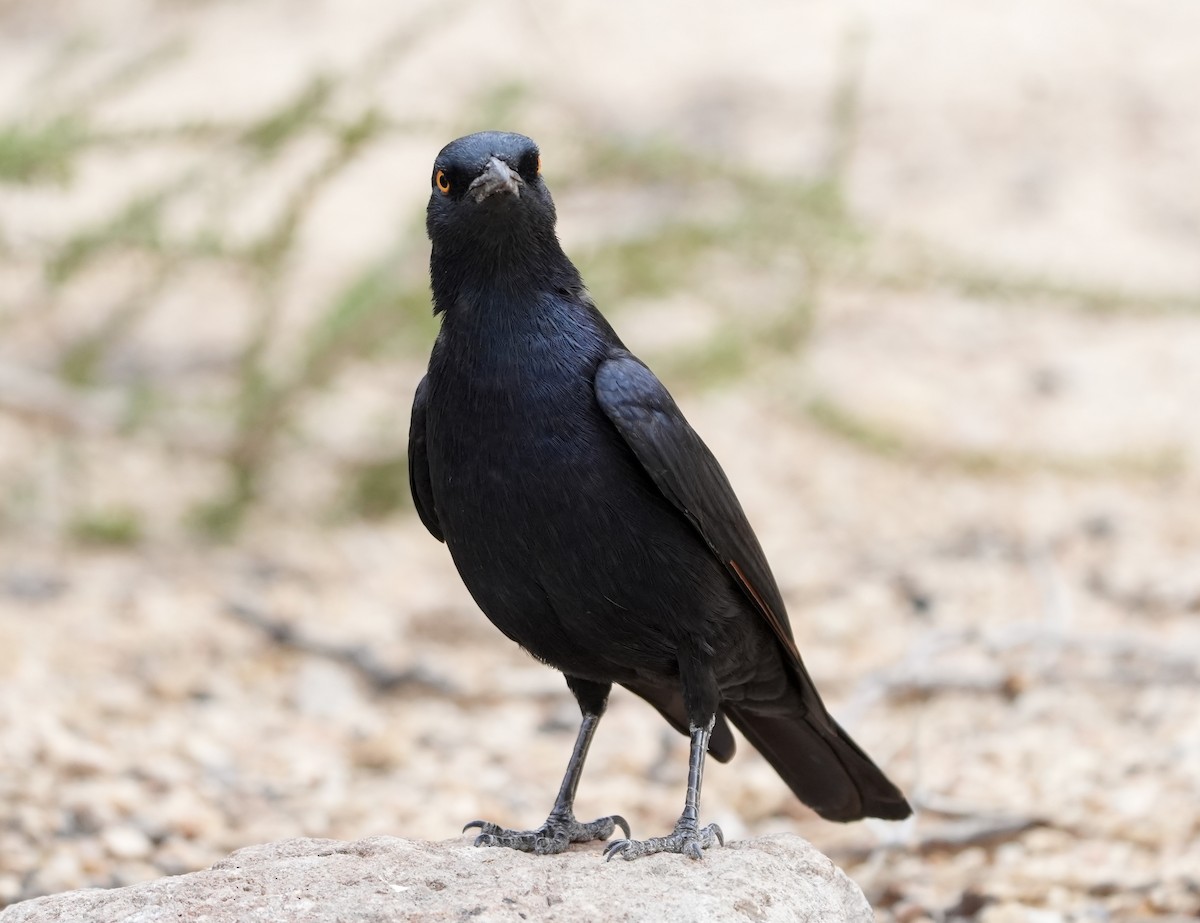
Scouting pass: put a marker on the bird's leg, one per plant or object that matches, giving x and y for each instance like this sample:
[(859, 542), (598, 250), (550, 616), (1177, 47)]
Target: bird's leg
[(561, 828), (688, 837)]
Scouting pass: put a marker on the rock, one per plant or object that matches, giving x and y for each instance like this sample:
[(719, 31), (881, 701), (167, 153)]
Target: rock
[(389, 879)]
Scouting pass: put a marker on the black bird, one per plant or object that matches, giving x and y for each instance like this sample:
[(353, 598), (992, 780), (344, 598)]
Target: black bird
[(589, 521)]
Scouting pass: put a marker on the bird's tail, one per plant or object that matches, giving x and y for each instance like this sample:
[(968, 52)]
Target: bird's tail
[(827, 770)]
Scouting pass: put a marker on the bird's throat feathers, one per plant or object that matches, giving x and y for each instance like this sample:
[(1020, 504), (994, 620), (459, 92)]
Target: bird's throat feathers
[(478, 270)]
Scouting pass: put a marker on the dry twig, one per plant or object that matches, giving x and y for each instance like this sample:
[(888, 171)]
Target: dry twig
[(381, 677)]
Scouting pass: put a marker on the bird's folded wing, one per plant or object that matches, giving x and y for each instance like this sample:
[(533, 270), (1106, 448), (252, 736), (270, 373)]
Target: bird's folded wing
[(689, 476), (419, 481)]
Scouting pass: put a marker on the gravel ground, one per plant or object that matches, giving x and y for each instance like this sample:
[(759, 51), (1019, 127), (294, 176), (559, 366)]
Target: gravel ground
[(963, 422)]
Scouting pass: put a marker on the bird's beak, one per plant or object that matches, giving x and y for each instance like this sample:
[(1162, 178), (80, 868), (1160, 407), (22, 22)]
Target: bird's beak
[(496, 177)]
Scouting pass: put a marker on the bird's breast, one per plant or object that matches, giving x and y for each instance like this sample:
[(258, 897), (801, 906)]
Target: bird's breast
[(512, 415), (556, 530)]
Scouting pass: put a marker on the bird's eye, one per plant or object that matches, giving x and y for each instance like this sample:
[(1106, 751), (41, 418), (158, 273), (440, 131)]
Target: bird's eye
[(530, 165), (442, 181)]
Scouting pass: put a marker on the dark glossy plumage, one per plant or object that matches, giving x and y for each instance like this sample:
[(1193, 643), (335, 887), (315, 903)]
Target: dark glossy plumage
[(587, 518)]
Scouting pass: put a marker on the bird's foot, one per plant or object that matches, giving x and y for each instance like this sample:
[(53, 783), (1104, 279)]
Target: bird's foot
[(687, 839), (558, 832)]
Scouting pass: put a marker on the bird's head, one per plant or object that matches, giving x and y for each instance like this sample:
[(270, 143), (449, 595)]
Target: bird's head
[(490, 215), (488, 184)]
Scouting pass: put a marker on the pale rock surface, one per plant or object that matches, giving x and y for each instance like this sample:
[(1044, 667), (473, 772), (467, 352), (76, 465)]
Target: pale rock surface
[(386, 878)]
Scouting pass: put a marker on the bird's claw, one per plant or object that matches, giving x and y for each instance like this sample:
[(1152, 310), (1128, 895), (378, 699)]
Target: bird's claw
[(490, 834), (686, 840), (558, 832)]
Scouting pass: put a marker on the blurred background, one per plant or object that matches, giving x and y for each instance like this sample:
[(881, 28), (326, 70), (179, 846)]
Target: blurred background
[(925, 274)]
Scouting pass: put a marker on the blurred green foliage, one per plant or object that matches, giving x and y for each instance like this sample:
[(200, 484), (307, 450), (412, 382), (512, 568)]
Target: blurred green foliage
[(116, 527), (381, 310), (40, 152)]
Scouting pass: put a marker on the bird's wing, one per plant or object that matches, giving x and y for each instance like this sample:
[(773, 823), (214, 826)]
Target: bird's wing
[(689, 476), (419, 481)]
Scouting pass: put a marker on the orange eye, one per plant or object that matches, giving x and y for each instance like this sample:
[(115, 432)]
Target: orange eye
[(443, 182), (539, 164)]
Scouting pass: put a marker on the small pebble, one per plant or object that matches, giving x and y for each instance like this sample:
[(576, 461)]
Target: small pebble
[(126, 843)]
